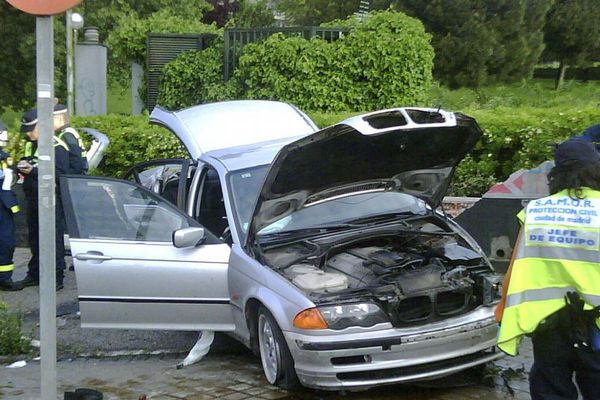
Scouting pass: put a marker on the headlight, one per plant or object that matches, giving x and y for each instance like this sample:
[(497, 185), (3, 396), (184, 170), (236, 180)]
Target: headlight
[(345, 315), (492, 289)]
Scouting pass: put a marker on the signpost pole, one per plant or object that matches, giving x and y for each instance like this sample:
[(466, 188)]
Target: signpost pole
[(46, 204)]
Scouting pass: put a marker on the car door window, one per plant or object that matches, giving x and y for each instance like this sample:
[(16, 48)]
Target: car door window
[(112, 209), (211, 211), (165, 178)]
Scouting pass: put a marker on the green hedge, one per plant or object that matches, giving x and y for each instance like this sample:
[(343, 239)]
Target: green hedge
[(513, 138), (385, 61), (132, 140)]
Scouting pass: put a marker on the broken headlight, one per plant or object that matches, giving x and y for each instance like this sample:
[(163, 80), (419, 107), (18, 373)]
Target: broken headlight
[(346, 315), (491, 286)]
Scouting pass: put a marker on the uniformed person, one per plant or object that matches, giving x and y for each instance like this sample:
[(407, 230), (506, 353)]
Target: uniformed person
[(552, 288), (8, 207), (28, 167), (62, 129)]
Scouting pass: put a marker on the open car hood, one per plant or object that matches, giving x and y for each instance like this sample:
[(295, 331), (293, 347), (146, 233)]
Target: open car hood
[(409, 150), (227, 124)]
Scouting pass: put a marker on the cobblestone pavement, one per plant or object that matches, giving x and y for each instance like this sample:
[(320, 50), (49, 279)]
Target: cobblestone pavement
[(228, 372), (228, 377)]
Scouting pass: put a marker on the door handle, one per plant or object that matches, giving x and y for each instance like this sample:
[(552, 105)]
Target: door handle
[(96, 256)]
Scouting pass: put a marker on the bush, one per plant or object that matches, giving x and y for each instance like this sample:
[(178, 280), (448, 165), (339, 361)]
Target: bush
[(132, 140), (513, 138), (11, 341), (195, 77), (385, 61), (127, 43)]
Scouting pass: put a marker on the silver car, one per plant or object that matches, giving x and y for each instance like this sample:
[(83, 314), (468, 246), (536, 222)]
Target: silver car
[(322, 251)]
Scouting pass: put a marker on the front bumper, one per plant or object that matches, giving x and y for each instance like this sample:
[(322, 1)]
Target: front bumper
[(372, 358)]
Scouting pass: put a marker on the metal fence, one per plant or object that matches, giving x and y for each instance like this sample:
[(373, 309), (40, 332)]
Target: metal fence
[(163, 48), (237, 38)]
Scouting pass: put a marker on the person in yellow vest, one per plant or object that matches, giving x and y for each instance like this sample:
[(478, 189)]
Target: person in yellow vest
[(552, 288), (8, 207), (64, 131), (28, 168)]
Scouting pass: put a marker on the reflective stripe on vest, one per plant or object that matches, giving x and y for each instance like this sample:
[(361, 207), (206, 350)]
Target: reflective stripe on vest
[(558, 252), (7, 268)]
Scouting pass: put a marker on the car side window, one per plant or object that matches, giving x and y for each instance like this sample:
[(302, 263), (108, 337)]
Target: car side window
[(109, 209), (211, 209)]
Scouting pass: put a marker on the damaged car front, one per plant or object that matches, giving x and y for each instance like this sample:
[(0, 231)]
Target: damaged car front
[(348, 215)]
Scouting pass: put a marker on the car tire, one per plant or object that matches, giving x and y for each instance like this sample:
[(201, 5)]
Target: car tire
[(275, 356)]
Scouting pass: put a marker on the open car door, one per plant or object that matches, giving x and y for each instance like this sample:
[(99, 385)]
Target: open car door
[(169, 178), (129, 272)]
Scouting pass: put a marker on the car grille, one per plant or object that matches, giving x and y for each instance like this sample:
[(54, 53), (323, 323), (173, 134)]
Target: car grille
[(431, 307), (412, 370)]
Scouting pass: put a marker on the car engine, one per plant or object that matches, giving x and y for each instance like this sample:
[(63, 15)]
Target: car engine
[(416, 278)]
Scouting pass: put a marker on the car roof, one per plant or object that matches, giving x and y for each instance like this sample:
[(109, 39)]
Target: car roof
[(248, 156)]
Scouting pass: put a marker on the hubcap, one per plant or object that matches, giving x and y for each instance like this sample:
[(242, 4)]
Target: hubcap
[(269, 350)]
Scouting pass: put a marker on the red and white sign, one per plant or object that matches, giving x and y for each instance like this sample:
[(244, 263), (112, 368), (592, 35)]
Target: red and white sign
[(44, 7)]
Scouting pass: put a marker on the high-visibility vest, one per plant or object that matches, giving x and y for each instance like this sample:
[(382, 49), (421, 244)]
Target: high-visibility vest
[(33, 155), (75, 134), (558, 252)]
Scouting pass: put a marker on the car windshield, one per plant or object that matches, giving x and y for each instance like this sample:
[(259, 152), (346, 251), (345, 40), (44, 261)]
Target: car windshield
[(245, 186), (352, 208)]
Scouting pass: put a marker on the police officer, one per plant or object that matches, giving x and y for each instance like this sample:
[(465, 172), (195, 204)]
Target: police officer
[(552, 289), (8, 207), (77, 155), (28, 167)]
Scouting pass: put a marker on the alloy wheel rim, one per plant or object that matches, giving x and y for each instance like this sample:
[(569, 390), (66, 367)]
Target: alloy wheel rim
[(269, 350)]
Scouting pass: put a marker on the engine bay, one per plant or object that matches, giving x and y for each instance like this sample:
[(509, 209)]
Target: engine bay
[(416, 276)]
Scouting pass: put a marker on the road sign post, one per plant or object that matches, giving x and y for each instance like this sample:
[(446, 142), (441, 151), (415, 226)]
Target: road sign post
[(46, 204), (44, 9)]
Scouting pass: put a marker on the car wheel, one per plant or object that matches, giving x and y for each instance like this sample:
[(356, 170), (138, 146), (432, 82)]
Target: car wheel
[(277, 361)]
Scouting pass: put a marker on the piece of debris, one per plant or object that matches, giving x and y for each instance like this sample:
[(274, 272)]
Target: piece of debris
[(199, 350), (17, 364)]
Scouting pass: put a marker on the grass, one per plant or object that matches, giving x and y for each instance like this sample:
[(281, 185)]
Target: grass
[(537, 93)]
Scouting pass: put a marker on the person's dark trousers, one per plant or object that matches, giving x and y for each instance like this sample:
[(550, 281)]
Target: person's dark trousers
[(7, 242), (34, 243), (555, 362)]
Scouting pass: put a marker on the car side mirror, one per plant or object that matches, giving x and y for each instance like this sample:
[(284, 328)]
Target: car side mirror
[(188, 237)]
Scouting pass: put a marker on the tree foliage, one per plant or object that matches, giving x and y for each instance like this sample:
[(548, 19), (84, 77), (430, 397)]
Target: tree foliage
[(254, 14), (315, 12), (572, 33), (17, 58), (127, 43), (476, 41), (195, 77)]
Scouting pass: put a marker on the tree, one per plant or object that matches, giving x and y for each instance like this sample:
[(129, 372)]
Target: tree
[(254, 15), (476, 40), (222, 11), (17, 58), (572, 33), (315, 12), (17, 35)]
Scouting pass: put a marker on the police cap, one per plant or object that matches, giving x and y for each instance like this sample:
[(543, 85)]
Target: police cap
[(30, 119), (576, 150)]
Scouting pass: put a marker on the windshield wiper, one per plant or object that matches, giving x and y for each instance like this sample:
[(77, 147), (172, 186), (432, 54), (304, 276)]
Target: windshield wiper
[(304, 232), (403, 218)]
